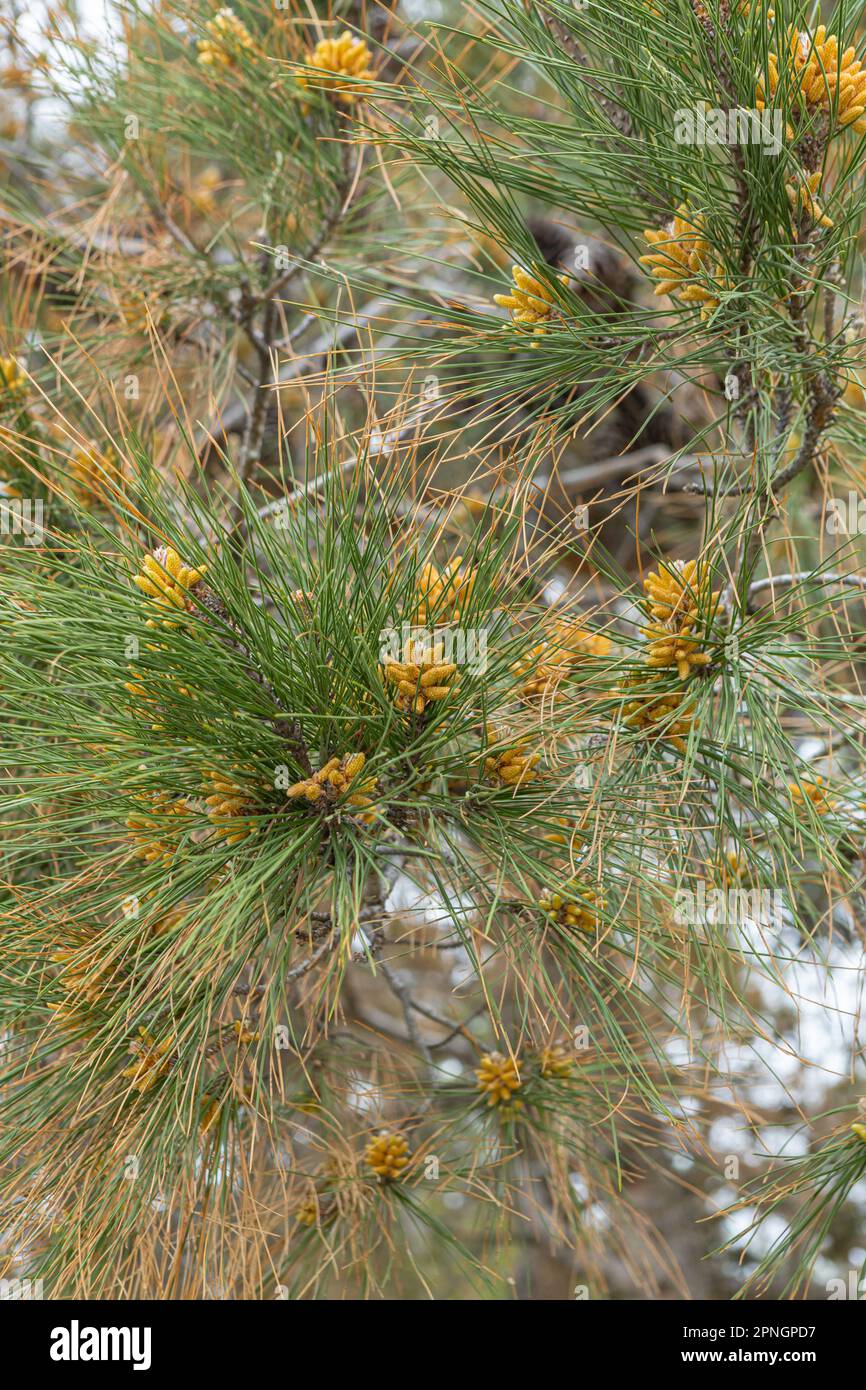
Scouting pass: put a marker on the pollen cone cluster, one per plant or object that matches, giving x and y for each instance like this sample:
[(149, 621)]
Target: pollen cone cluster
[(531, 303), (818, 78), (815, 792), (555, 1061), (337, 780), (228, 35), (548, 663), (665, 716), (422, 679), (153, 1060), (509, 767), (209, 1112), (683, 262), (498, 1079), (804, 202), (245, 1035), (307, 1212), (387, 1155), (677, 600), (229, 807), (167, 581), (95, 476), (443, 595), (83, 985), (576, 907), (13, 382), (346, 57), (147, 830), (146, 698), (564, 835)]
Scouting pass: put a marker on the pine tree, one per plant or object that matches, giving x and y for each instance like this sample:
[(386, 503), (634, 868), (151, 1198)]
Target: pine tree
[(433, 619)]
